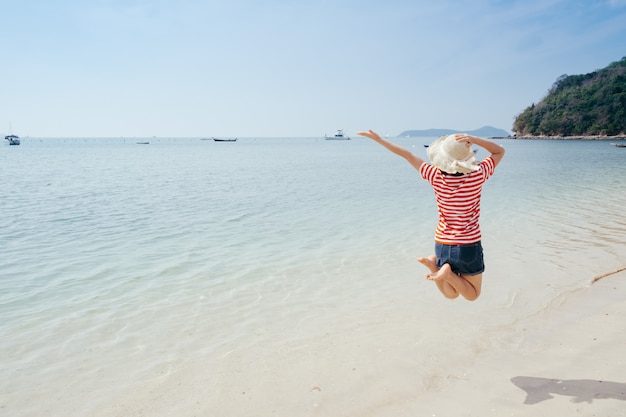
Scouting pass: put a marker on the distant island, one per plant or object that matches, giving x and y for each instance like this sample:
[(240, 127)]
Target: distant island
[(484, 132), (588, 106)]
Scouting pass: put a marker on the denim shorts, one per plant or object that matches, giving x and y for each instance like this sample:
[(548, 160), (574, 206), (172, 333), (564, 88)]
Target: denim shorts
[(463, 259)]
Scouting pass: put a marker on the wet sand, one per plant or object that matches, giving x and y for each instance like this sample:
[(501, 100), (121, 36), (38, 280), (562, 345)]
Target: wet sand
[(571, 361)]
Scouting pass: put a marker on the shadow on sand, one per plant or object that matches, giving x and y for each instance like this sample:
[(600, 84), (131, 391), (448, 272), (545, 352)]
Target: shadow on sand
[(541, 389)]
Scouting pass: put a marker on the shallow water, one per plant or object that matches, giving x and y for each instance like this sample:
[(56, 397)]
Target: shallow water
[(139, 268)]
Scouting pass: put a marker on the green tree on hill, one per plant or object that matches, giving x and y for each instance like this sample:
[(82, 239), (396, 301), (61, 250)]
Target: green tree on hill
[(579, 105)]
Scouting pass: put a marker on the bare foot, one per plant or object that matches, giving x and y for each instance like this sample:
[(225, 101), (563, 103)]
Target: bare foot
[(440, 274), (430, 263)]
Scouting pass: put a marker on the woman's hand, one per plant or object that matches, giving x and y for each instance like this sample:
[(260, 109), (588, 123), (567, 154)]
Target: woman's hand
[(398, 150), (465, 138), (369, 134), (497, 151)]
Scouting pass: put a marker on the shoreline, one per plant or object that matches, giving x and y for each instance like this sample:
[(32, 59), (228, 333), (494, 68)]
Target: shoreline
[(581, 137)]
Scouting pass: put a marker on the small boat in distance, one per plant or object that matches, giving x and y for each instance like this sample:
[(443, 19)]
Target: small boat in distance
[(143, 143), (620, 145), (225, 139), (338, 136), (13, 139)]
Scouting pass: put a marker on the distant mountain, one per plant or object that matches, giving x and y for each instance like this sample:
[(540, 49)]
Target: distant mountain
[(484, 132)]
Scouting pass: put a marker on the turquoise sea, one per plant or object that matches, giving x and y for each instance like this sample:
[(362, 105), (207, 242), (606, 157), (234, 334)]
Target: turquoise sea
[(189, 277)]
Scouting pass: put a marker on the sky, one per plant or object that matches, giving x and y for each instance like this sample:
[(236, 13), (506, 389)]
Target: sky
[(290, 68)]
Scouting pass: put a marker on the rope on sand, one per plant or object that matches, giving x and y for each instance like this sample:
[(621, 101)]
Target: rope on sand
[(599, 277)]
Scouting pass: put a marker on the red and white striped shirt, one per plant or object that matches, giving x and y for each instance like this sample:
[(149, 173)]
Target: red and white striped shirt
[(458, 202)]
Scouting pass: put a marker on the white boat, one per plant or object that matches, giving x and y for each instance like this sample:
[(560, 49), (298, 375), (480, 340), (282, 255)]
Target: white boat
[(13, 139), (338, 136)]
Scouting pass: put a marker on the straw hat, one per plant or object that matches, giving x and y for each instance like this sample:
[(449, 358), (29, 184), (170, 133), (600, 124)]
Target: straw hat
[(451, 156)]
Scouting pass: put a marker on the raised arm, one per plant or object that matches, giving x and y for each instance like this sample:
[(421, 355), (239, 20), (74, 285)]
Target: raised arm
[(414, 160), (497, 151)]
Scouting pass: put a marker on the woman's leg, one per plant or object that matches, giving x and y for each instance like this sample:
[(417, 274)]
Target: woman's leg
[(467, 285), (444, 286)]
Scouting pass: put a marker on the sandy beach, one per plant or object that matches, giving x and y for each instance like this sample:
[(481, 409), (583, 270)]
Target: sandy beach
[(566, 360), (571, 360)]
